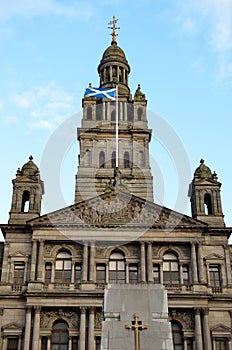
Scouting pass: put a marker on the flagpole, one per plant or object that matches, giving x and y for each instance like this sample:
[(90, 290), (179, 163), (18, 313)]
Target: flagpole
[(116, 112)]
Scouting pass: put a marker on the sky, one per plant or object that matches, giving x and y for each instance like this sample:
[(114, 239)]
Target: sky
[(179, 51)]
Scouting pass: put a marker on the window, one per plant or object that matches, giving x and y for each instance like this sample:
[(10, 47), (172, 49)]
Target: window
[(177, 337), (133, 273), (48, 273), (126, 160), (101, 273), (117, 268), (130, 113), (113, 160), (140, 113), (60, 336), (44, 342), (102, 160), (74, 343), (98, 343), (77, 272), (19, 273), (113, 116), (63, 267), (156, 273), (12, 343), (221, 344), (186, 274), (99, 111), (170, 269), (190, 344), (89, 113), (25, 201), (208, 204), (214, 275)]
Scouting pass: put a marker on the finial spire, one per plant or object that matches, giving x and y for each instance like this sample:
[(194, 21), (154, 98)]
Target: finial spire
[(112, 25)]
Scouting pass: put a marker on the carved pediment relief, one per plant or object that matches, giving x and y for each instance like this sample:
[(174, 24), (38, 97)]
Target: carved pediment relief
[(19, 254), (116, 208), (214, 256), (220, 329), (12, 329)]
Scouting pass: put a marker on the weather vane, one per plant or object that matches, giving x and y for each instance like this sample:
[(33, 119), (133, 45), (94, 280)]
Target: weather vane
[(112, 25)]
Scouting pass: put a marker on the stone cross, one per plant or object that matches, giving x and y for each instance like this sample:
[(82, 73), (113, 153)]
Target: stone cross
[(136, 326)]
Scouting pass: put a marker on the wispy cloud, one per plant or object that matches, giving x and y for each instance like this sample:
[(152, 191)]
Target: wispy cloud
[(214, 17), (44, 106), (32, 8)]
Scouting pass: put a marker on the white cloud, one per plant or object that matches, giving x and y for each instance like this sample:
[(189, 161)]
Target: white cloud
[(44, 106), (9, 119), (1, 104), (215, 17), (32, 8)]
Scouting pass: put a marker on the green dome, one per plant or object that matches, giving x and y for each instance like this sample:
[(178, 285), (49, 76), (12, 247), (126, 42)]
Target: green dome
[(203, 172)]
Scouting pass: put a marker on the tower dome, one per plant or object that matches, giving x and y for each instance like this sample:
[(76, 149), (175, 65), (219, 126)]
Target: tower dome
[(29, 169), (203, 171), (114, 68)]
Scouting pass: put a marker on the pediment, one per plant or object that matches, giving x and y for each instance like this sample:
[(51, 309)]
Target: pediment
[(220, 328), (116, 208), (214, 256), (206, 182), (11, 326), (18, 254)]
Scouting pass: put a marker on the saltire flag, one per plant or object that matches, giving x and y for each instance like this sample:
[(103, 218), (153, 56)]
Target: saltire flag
[(107, 93)]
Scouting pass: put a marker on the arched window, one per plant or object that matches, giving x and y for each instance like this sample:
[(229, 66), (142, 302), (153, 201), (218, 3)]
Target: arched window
[(102, 160), (25, 201), (140, 113), (130, 116), (89, 113), (113, 160), (177, 336), (60, 336), (117, 270), (113, 116), (126, 160), (63, 269), (99, 111), (208, 204), (170, 269)]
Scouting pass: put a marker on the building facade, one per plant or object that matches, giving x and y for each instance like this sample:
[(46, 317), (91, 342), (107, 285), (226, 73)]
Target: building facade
[(55, 267)]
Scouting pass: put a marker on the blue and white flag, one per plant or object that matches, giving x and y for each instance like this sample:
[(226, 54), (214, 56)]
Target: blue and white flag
[(108, 93)]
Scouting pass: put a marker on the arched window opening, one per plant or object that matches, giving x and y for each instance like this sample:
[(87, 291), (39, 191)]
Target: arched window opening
[(120, 75), (113, 116), (130, 116), (140, 113), (170, 269), (99, 111), (107, 74), (126, 160), (25, 201), (117, 272), (102, 160), (177, 336), (208, 204), (63, 269), (114, 71), (89, 113), (60, 336), (113, 160)]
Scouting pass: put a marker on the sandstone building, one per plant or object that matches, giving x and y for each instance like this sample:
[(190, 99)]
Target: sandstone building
[(55, 267)]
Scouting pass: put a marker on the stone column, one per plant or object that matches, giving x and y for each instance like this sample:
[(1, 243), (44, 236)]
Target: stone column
[(200, 264), (206, 330), (142, 262), (73, 272), (4, 343), (91, 328), (229, 345), (127, 272), (198, 335), (228, 265), (185, 343), (53, 272), (20, 342), (27, 334), (1, 314), (40, 259), (5, 262), (103, 111), (82, 328), (70, 343), (92, 268), (49, 343), (85, 262), (36, 328), (194, 263), (33, 260), (149, 262)]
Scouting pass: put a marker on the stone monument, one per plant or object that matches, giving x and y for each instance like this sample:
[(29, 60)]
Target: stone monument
[(136, 317)]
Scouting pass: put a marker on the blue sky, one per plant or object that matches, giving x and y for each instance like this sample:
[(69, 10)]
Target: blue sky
[(179, 51)]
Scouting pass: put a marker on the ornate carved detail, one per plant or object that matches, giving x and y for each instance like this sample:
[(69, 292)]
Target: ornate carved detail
[(98, 320), (184, 317), (48, 317), (133, 250)]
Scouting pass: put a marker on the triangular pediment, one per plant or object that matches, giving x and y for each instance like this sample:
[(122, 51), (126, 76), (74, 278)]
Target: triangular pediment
[(206, 182), (214, 256), (116, 208), (18, 254), (220, 328), (11, 326)]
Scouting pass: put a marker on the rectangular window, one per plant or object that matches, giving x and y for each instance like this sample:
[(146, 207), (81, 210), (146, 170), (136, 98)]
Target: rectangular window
[(78, 272), (185, 274), (214, 274), (156, 273), (19, 273), (44, 342), (133, 273), (12, 343), (221, 344), (101, 273), (98, 343), (48, 273), (74, 343), (189, 344)]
